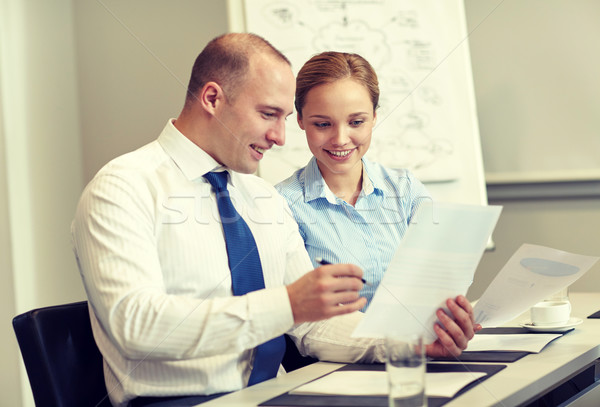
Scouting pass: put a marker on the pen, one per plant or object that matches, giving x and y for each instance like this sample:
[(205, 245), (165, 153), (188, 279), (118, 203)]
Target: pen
[(325, 262)]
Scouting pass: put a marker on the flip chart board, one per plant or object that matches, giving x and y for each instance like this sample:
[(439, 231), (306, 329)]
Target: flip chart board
[(427, 118)]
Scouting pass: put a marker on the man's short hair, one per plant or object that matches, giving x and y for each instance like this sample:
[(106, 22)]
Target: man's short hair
[(226, 60)]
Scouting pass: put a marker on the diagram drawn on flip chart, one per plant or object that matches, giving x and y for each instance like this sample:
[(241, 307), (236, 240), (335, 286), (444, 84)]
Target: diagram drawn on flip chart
[(426, 120)]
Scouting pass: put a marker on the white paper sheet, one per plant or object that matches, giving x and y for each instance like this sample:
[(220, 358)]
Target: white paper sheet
[(530, 275), (436, 260), (511, 342), (374, 383)]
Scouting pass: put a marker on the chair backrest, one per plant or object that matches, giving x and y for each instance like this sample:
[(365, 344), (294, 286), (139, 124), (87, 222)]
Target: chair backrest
[(292, 359), (62, 360)]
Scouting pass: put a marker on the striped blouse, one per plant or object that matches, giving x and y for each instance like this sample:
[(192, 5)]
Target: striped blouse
[(366, 234)]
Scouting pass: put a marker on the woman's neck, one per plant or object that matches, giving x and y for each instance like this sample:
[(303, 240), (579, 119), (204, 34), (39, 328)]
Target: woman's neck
[(347, 185)]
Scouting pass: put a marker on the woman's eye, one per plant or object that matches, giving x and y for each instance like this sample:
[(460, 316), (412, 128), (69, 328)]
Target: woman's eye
[(322, 125), (356, 123)]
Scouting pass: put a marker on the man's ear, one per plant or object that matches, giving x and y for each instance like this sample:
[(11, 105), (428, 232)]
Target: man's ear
[(299, 120), (211, 96)]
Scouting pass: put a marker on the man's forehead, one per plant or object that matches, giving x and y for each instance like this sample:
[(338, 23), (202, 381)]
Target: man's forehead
[(272, 82), (263, 62)]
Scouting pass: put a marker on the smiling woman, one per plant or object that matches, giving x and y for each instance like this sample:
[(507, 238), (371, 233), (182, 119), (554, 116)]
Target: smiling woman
[(362, 208), (350, 210), (338, 119)]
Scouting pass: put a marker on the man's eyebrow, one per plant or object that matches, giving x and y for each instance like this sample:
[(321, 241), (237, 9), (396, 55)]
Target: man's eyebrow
[(277, 109)]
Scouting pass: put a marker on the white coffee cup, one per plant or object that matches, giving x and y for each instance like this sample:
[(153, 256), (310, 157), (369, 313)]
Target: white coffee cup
[(551, 313)]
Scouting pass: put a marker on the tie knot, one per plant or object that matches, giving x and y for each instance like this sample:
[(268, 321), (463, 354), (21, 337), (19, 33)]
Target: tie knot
[(217, 179)]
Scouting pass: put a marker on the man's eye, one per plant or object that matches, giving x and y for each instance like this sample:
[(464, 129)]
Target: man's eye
[(268, 115)]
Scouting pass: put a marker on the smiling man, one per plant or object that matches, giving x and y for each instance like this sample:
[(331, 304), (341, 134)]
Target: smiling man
[(194, 267), (237, 126)]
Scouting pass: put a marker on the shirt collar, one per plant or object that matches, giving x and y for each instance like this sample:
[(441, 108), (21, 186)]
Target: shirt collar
[(367, 183), (314, 183), (371, 182), (189, 158), (316, 187)]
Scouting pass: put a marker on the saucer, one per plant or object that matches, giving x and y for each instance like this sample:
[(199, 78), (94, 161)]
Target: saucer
[(572, 322)]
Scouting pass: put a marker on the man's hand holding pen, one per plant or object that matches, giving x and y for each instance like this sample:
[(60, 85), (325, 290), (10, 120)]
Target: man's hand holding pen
[(325, 262), (321, 293)]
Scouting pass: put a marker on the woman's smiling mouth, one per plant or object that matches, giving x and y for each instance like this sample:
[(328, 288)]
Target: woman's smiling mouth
[(340, 153)]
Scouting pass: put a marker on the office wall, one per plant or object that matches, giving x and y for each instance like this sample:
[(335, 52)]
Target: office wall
[(9, 353), (130, 61), (40, 171), (566, 224), (535, 66), (134, 59), (536, 70)]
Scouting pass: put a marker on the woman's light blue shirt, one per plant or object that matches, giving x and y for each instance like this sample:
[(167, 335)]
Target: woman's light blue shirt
[(366, 234)]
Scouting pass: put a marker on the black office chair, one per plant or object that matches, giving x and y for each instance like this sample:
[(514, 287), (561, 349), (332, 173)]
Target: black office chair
[(62, 360), (292, 359)]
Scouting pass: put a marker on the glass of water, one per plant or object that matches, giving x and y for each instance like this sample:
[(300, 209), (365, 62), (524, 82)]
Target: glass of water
[(405, 365)]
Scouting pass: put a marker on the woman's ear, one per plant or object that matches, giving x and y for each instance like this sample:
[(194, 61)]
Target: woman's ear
[(210, 97), (374, 118), (299, 120)]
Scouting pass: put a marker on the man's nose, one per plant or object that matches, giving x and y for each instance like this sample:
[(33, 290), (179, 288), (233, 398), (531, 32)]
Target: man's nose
[(277, 133)]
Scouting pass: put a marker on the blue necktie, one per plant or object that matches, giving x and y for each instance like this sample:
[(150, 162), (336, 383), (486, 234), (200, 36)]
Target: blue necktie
[(246, 273)]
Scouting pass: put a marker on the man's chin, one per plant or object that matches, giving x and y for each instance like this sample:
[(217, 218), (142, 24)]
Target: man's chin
[(245, 169)]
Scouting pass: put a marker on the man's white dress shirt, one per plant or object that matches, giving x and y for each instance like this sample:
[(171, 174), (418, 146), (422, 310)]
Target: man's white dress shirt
[(151, 251)]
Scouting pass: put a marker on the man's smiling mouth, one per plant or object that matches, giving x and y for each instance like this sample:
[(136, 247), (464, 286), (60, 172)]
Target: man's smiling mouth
[(259, 149)]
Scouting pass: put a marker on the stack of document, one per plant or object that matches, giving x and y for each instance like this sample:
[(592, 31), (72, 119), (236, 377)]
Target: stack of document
[(532, 343), (374, 383), (436, 260), (530, 275)]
